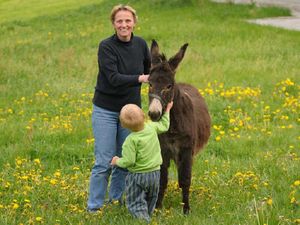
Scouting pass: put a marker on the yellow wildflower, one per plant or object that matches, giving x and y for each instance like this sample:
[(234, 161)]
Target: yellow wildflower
[(15, 205), (38, 219), (57, 174), (270, 201), (37, 161), (293, 200), (297, 183), (53, 181)]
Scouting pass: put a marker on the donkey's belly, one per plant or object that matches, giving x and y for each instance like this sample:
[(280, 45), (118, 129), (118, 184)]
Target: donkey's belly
[(171, 146)]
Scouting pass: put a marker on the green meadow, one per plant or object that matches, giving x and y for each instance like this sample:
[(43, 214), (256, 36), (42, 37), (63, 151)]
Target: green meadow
[(249, 75)]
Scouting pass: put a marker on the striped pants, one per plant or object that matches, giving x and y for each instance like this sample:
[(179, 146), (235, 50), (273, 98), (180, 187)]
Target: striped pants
[(141, 193)]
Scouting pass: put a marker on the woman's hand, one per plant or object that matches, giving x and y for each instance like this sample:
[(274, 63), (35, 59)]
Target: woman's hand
[(143, 78)]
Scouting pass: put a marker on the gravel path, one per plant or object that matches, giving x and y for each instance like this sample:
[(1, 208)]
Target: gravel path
[(291, 22)]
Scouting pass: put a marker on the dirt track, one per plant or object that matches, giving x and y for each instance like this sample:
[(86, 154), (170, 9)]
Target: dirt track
[(291, 22)]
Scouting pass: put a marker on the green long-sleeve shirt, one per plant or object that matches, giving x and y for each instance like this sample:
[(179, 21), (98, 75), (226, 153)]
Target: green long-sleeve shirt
[(141, 150)]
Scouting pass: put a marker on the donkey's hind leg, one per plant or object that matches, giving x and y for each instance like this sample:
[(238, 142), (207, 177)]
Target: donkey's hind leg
[(184, 176), (163, 180)]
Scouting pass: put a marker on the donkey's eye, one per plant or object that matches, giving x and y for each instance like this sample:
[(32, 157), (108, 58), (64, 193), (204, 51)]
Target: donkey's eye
[(169, 86)]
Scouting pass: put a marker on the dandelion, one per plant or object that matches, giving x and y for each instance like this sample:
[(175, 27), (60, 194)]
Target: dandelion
[(24, 177), (90, 140), (269, 201), (38, 219), (216, 127), (15, 206), (57, 174), (7, 185), (37, 161), (293, 200), (238, 174), (297, 183), (27, 200), (214, 173), (19, 162), (53, 181)]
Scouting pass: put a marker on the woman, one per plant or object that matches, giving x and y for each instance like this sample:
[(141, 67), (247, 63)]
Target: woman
[(124, 63)]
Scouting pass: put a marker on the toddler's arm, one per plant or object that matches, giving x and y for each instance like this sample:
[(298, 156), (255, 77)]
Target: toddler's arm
[(164, 123), (169, 107)]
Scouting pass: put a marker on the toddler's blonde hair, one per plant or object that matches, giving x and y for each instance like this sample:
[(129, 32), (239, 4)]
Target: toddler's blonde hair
[(132, 117)]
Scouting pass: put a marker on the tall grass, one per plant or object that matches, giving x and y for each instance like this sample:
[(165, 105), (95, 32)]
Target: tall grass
[(248, 74)]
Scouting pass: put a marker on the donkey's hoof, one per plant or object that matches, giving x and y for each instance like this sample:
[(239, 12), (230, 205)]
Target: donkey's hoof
[(158, 206), (186, 210)]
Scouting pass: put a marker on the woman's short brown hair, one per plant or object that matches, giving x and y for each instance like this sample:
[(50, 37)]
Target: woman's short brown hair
[(120, 7), (132, 117)]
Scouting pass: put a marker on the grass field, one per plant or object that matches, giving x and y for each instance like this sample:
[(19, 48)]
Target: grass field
[(249, 75)]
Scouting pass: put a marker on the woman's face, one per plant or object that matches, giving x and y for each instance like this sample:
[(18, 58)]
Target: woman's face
[(124, 24)]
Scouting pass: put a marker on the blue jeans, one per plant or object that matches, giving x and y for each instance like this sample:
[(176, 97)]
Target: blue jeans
[(109, 137)]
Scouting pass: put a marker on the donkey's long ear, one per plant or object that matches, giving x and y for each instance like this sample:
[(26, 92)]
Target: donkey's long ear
[(155, 56), (176, 59)]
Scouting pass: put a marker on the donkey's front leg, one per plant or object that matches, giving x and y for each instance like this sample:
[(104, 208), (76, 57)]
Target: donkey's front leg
[(163, 180), (184, 177)]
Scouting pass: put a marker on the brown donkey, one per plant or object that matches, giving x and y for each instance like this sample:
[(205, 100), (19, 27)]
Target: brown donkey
[(190, 121)]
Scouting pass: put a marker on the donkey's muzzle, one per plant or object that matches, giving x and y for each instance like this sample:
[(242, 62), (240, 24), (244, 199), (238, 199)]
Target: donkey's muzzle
[(155, 108), (154, 116)]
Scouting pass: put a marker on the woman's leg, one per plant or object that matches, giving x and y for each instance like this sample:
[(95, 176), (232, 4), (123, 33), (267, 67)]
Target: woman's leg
[(105, 125), (118, 176)]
